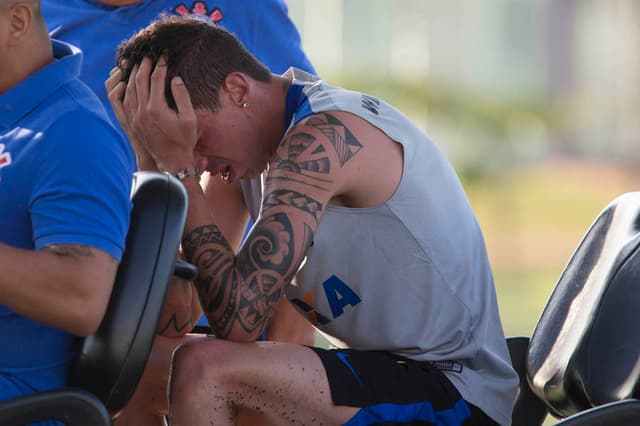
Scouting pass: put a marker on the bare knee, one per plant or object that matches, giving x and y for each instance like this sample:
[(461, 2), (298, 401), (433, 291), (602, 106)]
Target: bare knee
[(187, 367), (201, 367)]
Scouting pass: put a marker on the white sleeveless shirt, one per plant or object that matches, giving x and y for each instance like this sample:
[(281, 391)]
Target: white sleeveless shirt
[(410, 276)]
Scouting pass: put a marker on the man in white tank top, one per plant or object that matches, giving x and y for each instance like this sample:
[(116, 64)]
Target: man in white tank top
[(360, 222)]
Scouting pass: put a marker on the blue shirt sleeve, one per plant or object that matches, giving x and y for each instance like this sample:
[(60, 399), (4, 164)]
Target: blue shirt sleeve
[(274, 38), (82, 189)]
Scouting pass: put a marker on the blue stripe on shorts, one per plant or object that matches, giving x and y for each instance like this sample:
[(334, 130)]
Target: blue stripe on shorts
[(404, 413)]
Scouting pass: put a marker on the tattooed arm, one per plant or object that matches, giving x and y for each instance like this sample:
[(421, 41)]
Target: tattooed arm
[(182, 308), (240, 293), (65, 286)]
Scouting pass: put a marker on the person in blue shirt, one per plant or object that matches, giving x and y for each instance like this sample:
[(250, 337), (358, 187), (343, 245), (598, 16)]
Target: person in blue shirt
[(65, 179), (97, 27)]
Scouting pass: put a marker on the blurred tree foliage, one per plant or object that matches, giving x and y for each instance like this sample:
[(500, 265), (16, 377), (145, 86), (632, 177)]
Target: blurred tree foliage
[(479, 132)]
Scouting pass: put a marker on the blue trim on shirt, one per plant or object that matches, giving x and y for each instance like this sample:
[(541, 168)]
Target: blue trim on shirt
[(291, 103), (297, 105), (403, 413)]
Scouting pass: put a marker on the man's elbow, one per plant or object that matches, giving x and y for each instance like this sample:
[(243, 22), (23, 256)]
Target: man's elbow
[(86, 319), (89, 307), (83, 327)]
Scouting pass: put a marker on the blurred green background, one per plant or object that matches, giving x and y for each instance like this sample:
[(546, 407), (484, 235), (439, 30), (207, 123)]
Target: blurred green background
[(536, 103)]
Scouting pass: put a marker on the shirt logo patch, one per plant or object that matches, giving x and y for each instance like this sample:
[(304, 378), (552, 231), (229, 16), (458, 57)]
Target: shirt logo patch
[(447, 366), (199, 10), (371, 104), (5, 157)]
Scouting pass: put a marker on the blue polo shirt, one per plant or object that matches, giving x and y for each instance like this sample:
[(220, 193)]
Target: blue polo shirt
[(65, 178)]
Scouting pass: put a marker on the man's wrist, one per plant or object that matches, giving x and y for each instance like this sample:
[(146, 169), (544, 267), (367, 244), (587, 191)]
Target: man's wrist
[(188, 172)]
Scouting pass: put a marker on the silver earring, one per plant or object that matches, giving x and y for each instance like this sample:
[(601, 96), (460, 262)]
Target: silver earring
[(245, 104), (225, 174)]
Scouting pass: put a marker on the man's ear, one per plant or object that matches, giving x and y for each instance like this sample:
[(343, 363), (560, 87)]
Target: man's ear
[(237, 85), (20, 18)]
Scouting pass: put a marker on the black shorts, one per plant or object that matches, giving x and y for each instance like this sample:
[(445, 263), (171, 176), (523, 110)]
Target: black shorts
[(393, 390)]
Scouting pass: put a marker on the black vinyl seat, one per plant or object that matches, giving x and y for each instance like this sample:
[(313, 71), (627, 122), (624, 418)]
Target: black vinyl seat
[(112, 360), (582, 362)]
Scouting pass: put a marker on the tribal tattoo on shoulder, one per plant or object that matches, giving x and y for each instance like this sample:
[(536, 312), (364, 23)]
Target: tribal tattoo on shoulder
[(307, 157), (244, 290), (343, 141)]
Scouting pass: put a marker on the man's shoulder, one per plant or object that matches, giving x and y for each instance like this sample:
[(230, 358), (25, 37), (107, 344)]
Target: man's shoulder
[(73, 108), (83, 100), (77, 122)]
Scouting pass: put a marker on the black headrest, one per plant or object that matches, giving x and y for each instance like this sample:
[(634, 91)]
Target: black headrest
[(113, 359), (585, 349)]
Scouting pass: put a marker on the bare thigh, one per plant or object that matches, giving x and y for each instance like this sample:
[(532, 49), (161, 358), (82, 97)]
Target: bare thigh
[(279, 382)]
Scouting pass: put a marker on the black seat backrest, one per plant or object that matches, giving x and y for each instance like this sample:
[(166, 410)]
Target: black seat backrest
[(113, 359), (528, 409), (585, 350)]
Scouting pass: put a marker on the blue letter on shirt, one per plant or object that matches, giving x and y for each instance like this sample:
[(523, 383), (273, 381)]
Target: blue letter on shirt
[(339, 295)]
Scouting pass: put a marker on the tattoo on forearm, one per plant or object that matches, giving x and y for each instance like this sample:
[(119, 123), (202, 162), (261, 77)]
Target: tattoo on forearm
[(270, 247), (226, 289), (200, 237), (206, 248), (265, 259), (175, 327), (257, 302)]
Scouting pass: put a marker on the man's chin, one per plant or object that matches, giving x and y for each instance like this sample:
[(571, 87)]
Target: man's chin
[(250, 175)]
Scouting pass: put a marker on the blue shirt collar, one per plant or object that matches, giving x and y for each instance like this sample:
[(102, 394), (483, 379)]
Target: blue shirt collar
[(294, 98), (25, 96)]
